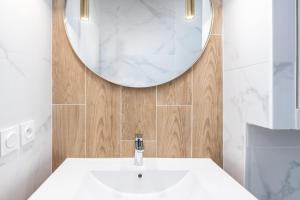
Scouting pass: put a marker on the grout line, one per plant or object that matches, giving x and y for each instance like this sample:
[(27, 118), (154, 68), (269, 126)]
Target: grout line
[(192, 111), (121, 114), (216, 34), (68, 104), (156, 120), (85, 128), (173, 105), (244, 66), (133, 140), (52, 98)]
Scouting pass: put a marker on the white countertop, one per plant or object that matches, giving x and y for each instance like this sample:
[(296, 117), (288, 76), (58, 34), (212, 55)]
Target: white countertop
[(66, 181)]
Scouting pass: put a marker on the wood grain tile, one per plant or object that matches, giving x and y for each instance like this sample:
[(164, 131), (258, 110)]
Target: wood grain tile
[(207, 109), (68, 133), (138, 113), (103, 117), (174, 131), (127, 148), (176, 92), (67, 70), (218, 19)]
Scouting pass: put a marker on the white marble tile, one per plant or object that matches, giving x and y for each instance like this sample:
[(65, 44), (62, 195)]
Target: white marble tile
[(25, 88), (24, 171), (273, 163), (247, 27), (234, 159), (246, 100), (263, 137), (259, 78), (274, 173), (297, 119), (284, 95), (284, 63), (246, 92)]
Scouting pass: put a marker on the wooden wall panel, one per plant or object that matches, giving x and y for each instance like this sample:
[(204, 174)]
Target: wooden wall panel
[(207, 89), (218, 21), (176, 92), (68, 133), (102, 117), (185, 113), (174, 131), (138, 113), (67, 70)]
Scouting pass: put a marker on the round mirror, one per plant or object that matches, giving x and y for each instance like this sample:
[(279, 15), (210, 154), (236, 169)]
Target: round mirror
[(138, 43)]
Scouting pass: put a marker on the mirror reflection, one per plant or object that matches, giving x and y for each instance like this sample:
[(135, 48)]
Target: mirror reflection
[(138, 43)]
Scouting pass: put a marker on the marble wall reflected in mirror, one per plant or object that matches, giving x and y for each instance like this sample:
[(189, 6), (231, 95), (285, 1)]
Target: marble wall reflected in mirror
[(138, 43)]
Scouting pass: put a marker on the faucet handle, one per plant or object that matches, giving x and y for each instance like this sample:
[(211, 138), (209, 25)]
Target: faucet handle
[(139, 144)]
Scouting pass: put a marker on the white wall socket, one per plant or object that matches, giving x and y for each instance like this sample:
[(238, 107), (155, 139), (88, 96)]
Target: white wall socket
[(9, 140), (27, 132)]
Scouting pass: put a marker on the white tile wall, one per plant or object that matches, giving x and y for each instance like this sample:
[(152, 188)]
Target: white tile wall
[(259, 73), (284, 64), (25, 92), (246, 99), (247, 32), (273, 163), (247, 78)]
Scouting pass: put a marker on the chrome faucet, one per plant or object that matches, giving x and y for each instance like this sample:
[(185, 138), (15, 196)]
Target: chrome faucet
[(139, 150)]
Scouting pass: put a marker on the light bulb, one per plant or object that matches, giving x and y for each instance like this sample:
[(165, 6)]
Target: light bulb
[(84, 10), (189, 9)]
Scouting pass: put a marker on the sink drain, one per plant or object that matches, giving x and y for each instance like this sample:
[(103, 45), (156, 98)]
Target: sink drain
[(140, 176)]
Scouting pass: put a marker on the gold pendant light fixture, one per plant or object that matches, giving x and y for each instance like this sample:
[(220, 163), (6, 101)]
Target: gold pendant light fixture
[(189, 9), (84, 10)]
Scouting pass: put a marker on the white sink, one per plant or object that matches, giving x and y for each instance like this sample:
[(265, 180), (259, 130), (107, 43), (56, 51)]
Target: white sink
[(158, 179), (140, 182), (160, 184)]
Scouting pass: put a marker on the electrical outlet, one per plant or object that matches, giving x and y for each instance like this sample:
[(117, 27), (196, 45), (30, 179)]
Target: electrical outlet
[(10, 140), (27, 132)]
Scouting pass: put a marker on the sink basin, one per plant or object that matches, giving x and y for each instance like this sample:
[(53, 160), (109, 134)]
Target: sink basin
[(149, 181), (140, 185), (157, 179)]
